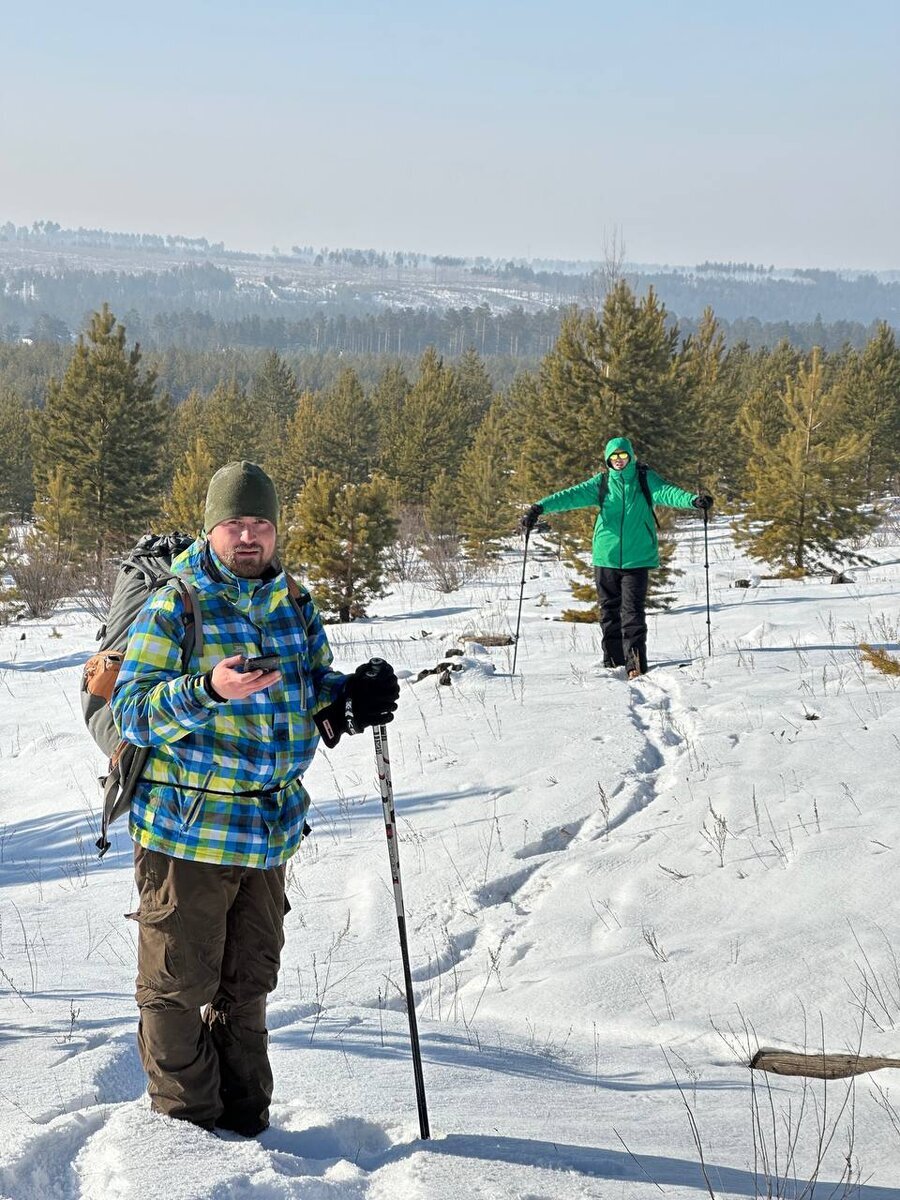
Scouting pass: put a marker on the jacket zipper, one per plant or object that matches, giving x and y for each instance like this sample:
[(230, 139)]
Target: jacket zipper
[(622, 532), (192, 813)]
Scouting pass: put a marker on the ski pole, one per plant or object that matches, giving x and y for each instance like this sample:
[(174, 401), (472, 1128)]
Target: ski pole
[(706, 566), (383, 763), (521, 594)]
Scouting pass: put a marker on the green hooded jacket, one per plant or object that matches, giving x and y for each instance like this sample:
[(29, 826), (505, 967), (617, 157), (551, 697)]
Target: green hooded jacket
[(625, 531)]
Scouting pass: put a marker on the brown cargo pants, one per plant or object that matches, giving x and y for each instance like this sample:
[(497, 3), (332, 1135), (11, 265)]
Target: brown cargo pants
[(209, 946)]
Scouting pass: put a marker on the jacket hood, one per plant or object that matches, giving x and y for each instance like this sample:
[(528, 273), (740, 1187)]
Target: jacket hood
[(620, 443)]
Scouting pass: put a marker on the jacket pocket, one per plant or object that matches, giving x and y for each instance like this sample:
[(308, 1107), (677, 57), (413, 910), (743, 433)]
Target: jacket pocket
[(191, 810)]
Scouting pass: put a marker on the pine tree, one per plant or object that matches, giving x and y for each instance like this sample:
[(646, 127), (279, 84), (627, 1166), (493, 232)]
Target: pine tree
[(440, 509), (869, 384), (562, 425), (44, 560), (473, 385), (290, 462), (482, 487), (56, 519), (186, 426), (767, 379), (274, 392), (714, 460), (104, 425), (16, 465), (184, 508), (388, 399), (344, 438), (232, 427), (433, 431), (338, 534), (644, 394), (805, 489), (614, 375)]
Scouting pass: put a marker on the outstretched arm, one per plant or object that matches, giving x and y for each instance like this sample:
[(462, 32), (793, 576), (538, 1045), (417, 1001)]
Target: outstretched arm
[(580, 495), (667, 494)]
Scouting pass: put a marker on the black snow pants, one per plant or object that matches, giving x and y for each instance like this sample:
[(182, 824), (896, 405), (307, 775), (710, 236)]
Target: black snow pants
[(622, 594)]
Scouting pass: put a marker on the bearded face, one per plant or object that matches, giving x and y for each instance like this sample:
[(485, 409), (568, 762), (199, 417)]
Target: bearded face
[(246, 545)]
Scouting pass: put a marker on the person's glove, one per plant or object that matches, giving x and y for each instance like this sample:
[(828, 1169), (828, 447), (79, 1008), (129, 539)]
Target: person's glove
[(704, 502), (530, 518), (370, 698), (372, 695)]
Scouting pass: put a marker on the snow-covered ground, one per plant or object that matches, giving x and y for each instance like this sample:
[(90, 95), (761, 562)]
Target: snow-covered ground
[(615, 892)]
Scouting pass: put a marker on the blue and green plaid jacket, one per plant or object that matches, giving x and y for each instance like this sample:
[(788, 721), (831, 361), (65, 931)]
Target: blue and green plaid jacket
[(247, 756)]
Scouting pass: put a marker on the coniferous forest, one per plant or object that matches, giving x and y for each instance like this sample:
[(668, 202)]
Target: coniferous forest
[(430, 457)]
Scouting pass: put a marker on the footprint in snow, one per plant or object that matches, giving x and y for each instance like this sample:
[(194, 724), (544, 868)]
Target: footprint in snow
[(551, 840)]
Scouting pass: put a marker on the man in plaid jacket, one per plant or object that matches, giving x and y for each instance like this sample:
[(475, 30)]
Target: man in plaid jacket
[(221, 805)]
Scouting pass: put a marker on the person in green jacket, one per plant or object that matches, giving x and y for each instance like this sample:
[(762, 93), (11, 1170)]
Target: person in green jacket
[(625, 546)]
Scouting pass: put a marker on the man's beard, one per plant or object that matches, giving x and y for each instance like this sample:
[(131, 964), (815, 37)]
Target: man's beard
[(246, 566)]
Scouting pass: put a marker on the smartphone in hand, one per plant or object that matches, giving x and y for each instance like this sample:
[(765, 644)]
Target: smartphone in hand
[(266, 662)]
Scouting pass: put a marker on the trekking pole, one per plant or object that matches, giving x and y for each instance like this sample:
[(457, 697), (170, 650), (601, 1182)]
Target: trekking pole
[(706, 566), (383, 763), (521, 594)]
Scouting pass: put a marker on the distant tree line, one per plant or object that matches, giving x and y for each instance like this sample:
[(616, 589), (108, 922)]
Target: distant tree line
[(200, 305), (52, 233), (27, 369), (498, 336), (422, 464)]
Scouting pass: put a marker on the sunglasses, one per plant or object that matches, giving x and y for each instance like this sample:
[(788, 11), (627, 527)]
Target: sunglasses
[(618, 455)]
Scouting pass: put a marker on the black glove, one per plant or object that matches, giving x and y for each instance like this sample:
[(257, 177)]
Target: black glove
[(370, 698), (529, 519), (372, 694), (704, 501)]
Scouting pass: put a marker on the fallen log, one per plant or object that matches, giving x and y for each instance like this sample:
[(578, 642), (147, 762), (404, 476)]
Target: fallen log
[(489, 639), (817, 1066)]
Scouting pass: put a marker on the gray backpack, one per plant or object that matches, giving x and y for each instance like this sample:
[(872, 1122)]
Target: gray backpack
[(145, 569)]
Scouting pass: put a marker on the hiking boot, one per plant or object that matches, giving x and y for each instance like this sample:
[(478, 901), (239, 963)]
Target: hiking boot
[(636, 662), (245, 1126)]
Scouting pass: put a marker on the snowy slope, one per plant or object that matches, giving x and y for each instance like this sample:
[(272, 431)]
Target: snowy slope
[(592, 963)]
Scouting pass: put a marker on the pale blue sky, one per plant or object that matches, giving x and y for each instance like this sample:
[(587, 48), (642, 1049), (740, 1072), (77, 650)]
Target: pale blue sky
[(767, 132)]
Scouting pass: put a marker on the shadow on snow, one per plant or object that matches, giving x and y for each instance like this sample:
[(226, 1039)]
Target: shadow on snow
[(593, 1162)]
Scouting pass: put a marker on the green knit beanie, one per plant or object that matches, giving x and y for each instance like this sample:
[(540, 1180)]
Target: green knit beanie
[(240, 489)]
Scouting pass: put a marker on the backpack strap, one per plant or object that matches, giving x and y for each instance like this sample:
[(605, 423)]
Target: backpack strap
[(193, 626), (603, 489), (300, 597), (125, 769), (645, 488)]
